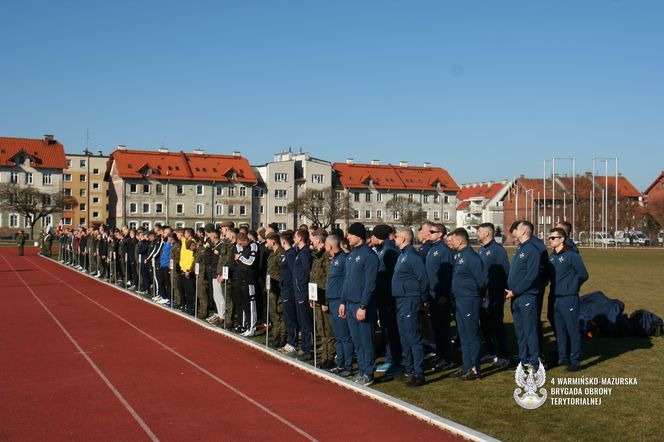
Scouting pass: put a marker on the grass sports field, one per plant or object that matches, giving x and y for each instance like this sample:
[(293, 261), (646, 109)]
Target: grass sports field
[(636, 276)]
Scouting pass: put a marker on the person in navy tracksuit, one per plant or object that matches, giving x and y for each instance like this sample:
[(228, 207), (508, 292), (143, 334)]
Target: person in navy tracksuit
[(467, 287), (496, 268), (358, 302), (410, 287), (301, 271), (388, 253), (334, 293), (567, 273), (287, 293), (440, 267), (550, 315), (524, 285)]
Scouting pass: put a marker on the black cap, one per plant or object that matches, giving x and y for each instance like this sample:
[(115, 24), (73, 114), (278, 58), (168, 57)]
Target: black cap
[(358, 230)]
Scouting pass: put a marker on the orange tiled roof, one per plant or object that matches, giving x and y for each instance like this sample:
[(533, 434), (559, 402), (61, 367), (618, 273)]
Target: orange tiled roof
[(45, 153), (654, 183), (485, 191), (183, 166), (625, 188), (393, 177)]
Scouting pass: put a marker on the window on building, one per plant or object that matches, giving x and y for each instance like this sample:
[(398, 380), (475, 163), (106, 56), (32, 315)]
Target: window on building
[(179, 208), (436, 215), (436, 199), (220, 190), (367, 214), (133, 188), (146, 225), (47, 179), (231, 191), (447, 199), (261, 210), (446, 216), (67, 207), (258, 193), (28, 178), (146, 207), (82, 207), (82, 163), (95, 171), (280, 193), (279, 210), (81, 221), (82, 192), (219, 209), (133, 224), (13, 178), (367, 198), (243, 191), (82, 178), (67, 192), (146, 188), (200, 190), (200, 208), (68, 163), (158, 208), (379, 197), (67, 177), (231, 209), (356, 214), (425, 198), (95, 215), (179, 225), (95, 186), (47, 221), (411, 197), (13, 220), (133, 208), (280, 177), (356, 198), (159, 189), (317, 178), (281, 226), (66, 221), (179, 189), (243, 210), (395, 215)]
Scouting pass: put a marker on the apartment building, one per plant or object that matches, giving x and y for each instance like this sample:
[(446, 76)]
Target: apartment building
[(371, 188), (481, 203), (31, 162), (179, 189), (85, 180)]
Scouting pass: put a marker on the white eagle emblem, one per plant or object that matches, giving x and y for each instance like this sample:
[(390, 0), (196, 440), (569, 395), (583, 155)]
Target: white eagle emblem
[(357, 259), (561, 259), (435, 253), (461, 261), (403, 259), (530, 381), (336, 262), (522, 255), (488, 253)]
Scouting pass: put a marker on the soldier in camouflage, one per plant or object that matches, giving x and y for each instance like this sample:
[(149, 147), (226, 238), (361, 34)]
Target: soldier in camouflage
[(320, 267), (276, 306)]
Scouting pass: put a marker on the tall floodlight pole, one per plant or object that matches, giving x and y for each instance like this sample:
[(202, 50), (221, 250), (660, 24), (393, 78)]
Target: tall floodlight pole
[(544, 196), (573, 160), (605, 196), (553, 192)]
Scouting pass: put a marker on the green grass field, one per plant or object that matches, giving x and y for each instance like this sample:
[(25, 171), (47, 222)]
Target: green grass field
[(636, 276)]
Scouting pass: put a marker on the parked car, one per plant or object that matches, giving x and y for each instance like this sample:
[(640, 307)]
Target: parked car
[(603, 238), (632, 238)]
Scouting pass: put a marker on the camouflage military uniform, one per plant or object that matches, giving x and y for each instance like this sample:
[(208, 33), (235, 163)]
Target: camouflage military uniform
[(276, 306), (225, 258), (319, 268), (203, 296), (175, 273)]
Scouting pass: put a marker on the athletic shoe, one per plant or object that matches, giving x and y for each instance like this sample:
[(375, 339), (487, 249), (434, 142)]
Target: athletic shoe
[(573, 368), (345, 374), (443, 365), (288, 350), (212, 318), (163, 301), (156, 297), (488, 358), (248, 333), (394, 370), (364, 380), (305, 356), (337, 370), (415, 381), (325, 365), (470, 375), (500, 364), (382, 368)]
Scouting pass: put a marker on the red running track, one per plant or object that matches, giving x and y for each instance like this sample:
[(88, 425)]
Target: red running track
[(80, 360)]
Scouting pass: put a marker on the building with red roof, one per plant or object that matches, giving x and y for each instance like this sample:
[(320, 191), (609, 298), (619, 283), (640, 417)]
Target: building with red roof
[(31, 162), (655, 198), (479, 203), (386, 193), (179, 189)]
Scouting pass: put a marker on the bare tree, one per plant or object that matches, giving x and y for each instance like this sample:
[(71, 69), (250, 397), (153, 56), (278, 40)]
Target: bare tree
[(320, 207), (408, 211), (31, 203)]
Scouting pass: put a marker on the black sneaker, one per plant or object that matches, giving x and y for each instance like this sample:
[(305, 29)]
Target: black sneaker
[(416, 381), (573, 368), (458, 373), (470, 375), (406, 376), (305, 357)]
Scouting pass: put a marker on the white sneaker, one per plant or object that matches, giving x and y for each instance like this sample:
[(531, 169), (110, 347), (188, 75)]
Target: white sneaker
[(212, 318), (288, 349), (156, 298), (163, 301), (249, 333)]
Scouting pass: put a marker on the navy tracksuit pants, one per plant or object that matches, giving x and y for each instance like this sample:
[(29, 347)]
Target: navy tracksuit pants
[(408, 319), (305, 319), (387, 315), (524, 312), (361, 332), (341, 333), (566, 311), (493, 328), (290, 317), (468, 324)]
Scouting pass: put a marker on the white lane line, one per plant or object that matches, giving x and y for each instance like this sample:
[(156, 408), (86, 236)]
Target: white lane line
[(190, 362), (94, 366)]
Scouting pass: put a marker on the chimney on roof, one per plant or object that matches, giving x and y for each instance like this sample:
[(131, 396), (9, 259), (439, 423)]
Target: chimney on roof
[(349, 161), (236, 153), (198, 151), (375, 162), (101, 153), (403, 163), (163, 149), (48, 138), (427, 164), (122, 147)]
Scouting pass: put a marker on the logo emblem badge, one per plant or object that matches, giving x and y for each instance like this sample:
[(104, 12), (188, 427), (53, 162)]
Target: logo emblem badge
[(530, 380)]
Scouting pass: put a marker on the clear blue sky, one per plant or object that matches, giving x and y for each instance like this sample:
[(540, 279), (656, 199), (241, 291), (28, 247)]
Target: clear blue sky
[(486, 89)]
